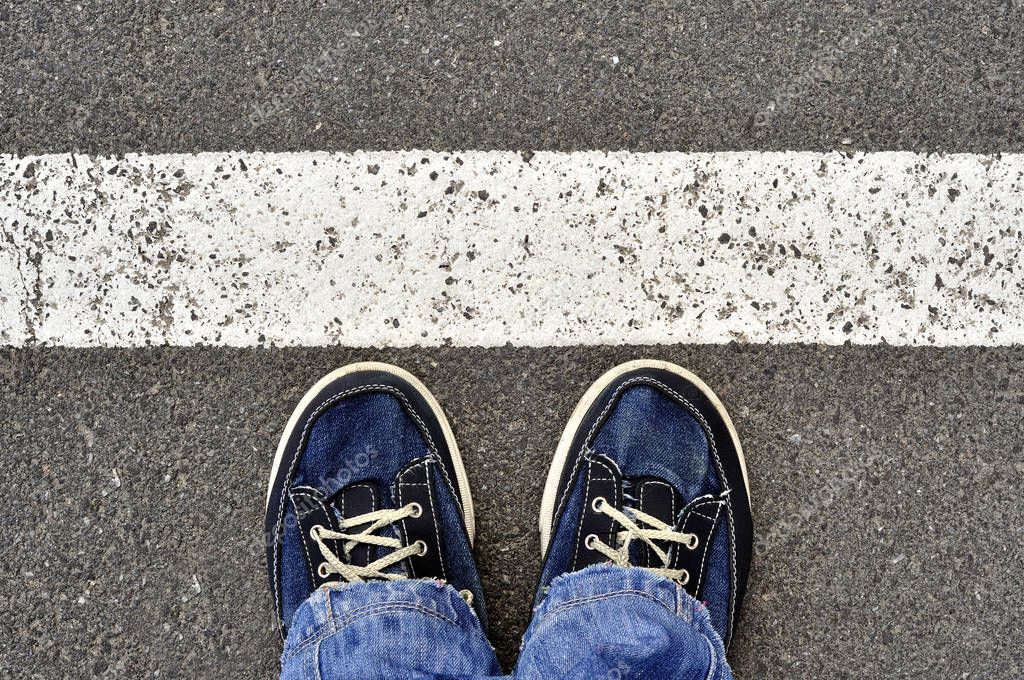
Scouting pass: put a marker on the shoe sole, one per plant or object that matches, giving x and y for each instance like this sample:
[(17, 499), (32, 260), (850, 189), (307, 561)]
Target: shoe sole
[(428, 397), (547, 505)]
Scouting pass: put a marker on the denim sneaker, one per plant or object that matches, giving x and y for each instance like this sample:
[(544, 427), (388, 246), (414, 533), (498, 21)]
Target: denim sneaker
[(368, 485), (649, 473)]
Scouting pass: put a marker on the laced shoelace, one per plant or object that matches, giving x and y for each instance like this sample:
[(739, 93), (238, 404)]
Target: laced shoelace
[(374, 521), (632, 530)]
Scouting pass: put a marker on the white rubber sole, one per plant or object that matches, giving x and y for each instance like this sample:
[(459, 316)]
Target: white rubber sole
[(547, 504), (446, 428)]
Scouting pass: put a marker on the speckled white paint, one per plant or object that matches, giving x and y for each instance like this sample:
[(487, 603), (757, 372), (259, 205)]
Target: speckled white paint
[(14, 290), (486, 248)]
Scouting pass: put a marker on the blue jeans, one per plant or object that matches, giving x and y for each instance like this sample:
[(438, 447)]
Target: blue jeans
[(601, 622)]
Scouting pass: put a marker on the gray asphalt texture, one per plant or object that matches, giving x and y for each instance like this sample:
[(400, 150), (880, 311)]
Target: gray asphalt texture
[(886, 485), (111, 77)]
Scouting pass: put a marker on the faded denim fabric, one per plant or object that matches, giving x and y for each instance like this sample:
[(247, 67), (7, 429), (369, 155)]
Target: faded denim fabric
[(603, 622)]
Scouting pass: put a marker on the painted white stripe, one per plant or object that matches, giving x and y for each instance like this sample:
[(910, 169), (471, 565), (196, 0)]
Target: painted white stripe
[(486, 248)]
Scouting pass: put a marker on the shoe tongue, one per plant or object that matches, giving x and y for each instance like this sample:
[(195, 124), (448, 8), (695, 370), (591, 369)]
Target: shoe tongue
[(352, 501), (658, 499)]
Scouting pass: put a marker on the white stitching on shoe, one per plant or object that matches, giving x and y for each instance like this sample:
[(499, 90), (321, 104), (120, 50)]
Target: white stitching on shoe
[(586, 505), (309, 492), (278, 529), (304, 491), (707, 545), (437, 531), (401, 503), (433, 512), (579, 527), (586, 447)]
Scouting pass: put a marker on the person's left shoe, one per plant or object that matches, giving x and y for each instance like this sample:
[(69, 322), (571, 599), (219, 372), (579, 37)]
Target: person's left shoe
[(368, 485)]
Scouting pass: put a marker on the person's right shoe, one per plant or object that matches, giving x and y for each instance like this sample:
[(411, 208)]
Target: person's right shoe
[(649, 473)]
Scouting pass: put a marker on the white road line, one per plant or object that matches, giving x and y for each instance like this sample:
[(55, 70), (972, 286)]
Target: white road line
[(486, 248)]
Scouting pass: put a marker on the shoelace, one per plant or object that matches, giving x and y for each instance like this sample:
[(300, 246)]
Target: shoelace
[(375, 521), (632, 530)]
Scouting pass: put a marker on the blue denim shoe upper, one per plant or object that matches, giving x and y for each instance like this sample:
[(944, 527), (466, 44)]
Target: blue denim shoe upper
[(655, 448), (364, 446)]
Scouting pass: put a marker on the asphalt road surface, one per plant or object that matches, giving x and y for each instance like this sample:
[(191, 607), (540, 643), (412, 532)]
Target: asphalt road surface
[(114, 76), (886, 487)]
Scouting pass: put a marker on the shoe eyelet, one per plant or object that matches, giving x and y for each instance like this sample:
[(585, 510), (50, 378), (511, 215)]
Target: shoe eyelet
[(417, 510), (321, 570), (423, 547), (589, 541), (694, 543), (685, 578), (598, 504), (314, 531)]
